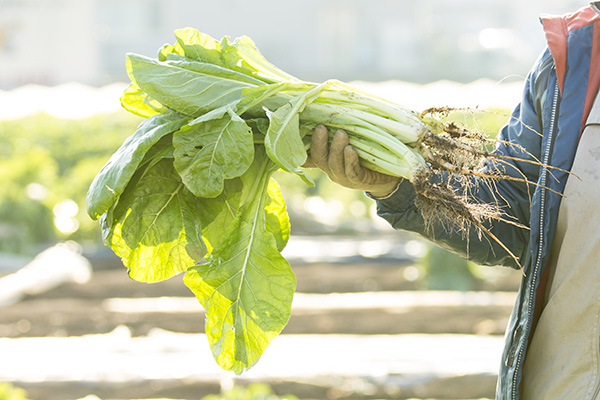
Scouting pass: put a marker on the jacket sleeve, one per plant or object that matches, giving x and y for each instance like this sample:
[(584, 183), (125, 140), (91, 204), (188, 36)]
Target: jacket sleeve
[(519, 138)]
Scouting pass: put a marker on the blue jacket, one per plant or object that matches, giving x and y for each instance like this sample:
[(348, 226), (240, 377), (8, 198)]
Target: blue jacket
[(557, 98)]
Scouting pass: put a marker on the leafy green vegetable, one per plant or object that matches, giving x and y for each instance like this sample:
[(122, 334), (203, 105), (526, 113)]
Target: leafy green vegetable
[(191, 190), (213, 150), (112, 179), (139, 103), (199, 46), (246, 286), (207, 86), (156, 226)]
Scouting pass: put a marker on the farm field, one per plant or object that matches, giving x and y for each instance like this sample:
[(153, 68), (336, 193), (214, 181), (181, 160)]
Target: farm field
[(359, 330)]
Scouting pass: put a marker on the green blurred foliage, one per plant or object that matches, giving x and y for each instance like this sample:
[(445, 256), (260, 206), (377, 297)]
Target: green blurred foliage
[(325, 207), (445, 270), (45, 161), (10, 392)]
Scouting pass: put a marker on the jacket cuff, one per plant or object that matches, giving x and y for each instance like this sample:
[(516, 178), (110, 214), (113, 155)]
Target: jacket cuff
[(401, 198), (387, 196)]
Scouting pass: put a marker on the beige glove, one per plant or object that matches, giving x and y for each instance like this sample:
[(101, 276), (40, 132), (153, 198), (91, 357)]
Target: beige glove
[(340, 162)]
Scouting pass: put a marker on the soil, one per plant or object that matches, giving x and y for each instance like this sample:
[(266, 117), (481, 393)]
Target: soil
[(79, 309)]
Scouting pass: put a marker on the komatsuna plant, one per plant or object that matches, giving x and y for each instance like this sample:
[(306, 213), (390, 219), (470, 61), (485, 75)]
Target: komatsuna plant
[(191, 190)]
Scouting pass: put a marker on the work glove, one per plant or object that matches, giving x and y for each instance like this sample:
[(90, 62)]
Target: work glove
[(341, 164)]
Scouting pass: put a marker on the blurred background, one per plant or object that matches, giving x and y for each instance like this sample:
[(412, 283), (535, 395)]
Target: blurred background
[(378, 314)]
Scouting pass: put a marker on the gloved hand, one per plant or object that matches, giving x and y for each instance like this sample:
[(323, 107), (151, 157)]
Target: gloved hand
[(341, 164)]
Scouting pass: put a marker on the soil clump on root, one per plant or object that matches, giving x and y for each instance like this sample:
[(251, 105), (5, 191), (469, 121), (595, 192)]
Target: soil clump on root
[(456, 157)]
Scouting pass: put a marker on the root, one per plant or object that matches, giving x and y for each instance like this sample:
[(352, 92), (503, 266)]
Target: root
[(442, 165), (458, 155), (474, 148), (441, 205), (464, 160), (458, 150)]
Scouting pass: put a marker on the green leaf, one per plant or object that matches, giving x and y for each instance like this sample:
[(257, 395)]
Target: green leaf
[(243, 55), (276, 215), (162, 149), (112, 179), (306, 178), (199, 46), (220, 212), (213, 150), (246, 287), (191, 88), (156, 226), (216, 113), (139, 103), (259, 125), (283, 141), (211, 69), (256, 100), (167, 49)]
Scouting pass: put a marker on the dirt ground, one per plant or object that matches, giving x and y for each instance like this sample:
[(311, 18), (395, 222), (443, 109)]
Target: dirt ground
[(77, 309), (80, 309)]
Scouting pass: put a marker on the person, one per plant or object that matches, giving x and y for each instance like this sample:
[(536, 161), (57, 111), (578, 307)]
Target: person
[(552, 342)]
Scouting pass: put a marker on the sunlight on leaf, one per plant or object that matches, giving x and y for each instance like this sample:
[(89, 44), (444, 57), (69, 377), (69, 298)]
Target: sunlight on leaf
[(246, 287)]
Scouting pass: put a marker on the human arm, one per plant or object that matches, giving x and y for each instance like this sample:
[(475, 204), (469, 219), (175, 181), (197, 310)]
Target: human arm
[(396, 203)]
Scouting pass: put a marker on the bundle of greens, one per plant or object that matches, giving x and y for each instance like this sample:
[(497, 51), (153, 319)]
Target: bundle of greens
[(191, 189)]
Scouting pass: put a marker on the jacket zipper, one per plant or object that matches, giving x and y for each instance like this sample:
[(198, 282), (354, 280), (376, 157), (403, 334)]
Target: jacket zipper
[(541, 232)]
